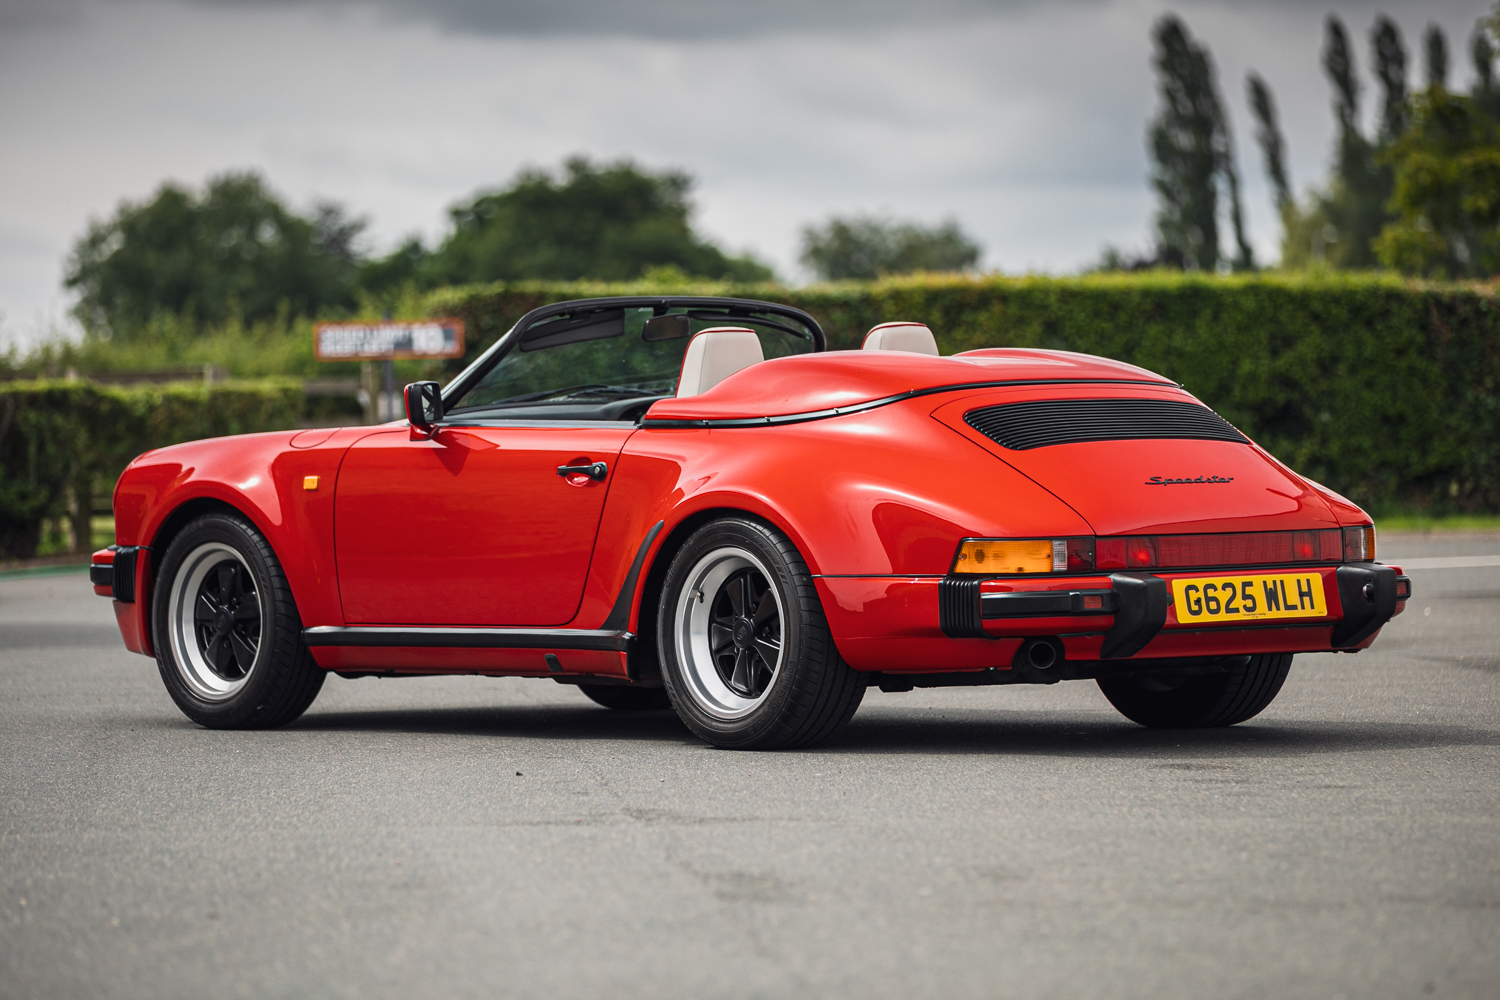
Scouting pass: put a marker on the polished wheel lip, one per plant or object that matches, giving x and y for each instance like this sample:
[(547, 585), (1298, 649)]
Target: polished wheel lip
[(691, 618), (192, 665)]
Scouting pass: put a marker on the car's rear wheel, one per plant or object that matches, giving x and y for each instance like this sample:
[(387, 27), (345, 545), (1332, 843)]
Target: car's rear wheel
[(627, 699), (745, 649), (227, 635), (1199, 701)]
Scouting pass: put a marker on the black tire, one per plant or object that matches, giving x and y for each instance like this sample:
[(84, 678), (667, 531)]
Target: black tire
[(627, 699), (227, 634), (721, 679), (1200, 701)]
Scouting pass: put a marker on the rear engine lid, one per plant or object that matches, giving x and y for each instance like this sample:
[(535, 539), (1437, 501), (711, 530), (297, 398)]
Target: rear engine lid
[(1138, 459)]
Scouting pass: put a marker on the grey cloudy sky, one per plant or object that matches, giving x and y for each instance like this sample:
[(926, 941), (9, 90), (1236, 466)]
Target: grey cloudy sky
[(1025, 120)]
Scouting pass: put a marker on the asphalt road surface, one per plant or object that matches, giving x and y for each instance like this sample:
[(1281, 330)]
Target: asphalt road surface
[(471, 837)]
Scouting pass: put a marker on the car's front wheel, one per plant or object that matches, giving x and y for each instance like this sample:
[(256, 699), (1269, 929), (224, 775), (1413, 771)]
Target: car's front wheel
[(745, 648), (227, 635), (1200, 701)]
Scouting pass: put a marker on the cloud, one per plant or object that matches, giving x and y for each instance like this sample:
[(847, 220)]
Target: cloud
[(1025, 121)]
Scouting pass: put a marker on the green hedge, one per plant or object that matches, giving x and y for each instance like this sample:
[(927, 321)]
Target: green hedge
[(1383, 389), (72, 439)]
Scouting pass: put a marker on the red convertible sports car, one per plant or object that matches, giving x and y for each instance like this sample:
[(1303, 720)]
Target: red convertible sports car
[(691, 502)]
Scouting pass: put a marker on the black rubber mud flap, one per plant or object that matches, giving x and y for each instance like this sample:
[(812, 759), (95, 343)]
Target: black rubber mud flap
[(1367, 592), (1141, 614)]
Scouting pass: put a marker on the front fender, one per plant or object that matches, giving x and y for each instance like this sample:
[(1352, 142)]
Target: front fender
[(283, 482)]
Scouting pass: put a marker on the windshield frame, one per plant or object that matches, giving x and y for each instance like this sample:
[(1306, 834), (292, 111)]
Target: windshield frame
[(508, 341)]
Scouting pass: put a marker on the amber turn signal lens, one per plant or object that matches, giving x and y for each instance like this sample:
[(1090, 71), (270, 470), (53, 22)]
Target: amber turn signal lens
[(996, 556), (309, 482)]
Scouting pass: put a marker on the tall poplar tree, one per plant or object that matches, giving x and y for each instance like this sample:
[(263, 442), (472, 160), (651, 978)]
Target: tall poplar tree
[(1482, 53), (1437, 57), (1193, 152), (1272, 144)]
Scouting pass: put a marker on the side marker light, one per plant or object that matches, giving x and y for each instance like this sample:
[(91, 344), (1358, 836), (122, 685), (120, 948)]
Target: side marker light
[(309, 482)]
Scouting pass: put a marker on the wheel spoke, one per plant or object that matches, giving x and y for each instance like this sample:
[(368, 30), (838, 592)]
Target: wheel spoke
[(217, 653), (244, 653), (736, 593), (765, 609), (761, 675), (769, 650), (226, 576), (249, 608), (720, 637), (740, 681), (205, 609)]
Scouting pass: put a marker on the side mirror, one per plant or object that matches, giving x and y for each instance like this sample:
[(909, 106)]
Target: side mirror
[(424, 406)]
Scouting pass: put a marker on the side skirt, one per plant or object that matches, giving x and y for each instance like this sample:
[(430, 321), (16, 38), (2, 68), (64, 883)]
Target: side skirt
[(442, 637)]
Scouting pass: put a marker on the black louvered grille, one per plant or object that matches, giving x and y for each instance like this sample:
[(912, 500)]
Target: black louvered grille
[(1037, 424)]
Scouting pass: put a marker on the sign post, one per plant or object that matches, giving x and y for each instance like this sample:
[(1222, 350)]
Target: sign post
[(387, 340)]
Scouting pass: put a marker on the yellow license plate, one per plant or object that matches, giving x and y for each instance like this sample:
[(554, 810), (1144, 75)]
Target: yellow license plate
[(1249, 598)]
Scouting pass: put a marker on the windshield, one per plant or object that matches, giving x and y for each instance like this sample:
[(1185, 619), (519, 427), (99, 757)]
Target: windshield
[(580, 361)]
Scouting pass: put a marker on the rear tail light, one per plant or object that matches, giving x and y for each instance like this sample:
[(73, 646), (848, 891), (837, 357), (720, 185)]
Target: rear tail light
[(1007, 557), (1012, 556), (1359, 544)]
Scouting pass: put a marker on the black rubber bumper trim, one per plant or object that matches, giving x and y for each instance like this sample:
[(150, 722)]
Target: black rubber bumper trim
[(963, 610), (959, 614), (102, 575), (468, 638), (122, 573), (1141, 614), (1046, 604), (1367, 593)]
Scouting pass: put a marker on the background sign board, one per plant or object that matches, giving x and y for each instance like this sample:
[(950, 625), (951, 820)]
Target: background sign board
[(378, 340)]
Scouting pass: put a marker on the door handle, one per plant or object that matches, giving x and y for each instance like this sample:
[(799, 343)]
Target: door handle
[(596, 472)]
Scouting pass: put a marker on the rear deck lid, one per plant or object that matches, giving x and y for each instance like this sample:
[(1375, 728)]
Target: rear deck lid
[(1137, 459)]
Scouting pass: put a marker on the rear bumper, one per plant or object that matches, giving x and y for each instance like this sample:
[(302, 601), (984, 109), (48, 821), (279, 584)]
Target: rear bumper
[(954, 623)]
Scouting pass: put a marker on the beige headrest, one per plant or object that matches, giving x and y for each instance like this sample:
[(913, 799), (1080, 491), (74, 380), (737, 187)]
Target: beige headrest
[(714, 355), (913, 337)]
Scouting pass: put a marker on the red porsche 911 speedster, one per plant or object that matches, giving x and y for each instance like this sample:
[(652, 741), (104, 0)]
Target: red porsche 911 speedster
[(690, 502)]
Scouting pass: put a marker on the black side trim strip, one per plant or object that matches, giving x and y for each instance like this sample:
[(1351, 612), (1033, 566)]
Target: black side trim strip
[(839, 411), (619, 615), (467, 638)]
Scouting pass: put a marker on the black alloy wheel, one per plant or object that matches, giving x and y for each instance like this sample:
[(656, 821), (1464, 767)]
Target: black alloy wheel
[(226, 631), (745, 649), (745, 633), (227, 616)]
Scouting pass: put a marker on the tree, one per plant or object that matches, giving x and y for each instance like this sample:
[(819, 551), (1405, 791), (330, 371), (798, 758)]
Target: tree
[(1437, 57), (612, 222), (1272, 145), (1447, 191), (868, 247), (1340, 222), (1390, 70), (1482, 53), (232, 252), (1190, 144)]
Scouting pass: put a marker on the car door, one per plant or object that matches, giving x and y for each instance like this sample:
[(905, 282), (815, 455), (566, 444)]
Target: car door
[(473, 526)]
